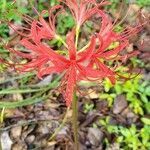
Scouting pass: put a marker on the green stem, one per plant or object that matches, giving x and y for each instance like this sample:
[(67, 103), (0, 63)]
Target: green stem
[(75, 121)]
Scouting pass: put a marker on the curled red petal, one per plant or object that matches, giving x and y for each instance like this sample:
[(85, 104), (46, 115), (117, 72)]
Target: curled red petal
[(49, 70), (34, 32), (33, 64), (115, 51), (48, 29), (42, 49), (30, 46), (107, 71), (21, 54), (107, 41), (71, 45)]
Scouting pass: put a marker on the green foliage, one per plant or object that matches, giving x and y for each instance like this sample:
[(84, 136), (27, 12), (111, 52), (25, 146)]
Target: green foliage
[(39, 93), (137, 94), (88, 107), (105, 122), (131, 138), (113, 5), (43, 4), (137, 62), (118, 28), (143, 3), (64, 23), (108, 97), (53, 2), (128, 138), (2, 68), (145, 136), (4, 30), (136, 90), (145, 121), (10, 11), (55, 42)]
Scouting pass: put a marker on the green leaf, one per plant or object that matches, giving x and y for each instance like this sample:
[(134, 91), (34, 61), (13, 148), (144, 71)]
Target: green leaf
[(107, 85), (4, 30), (12, 91), (147, 91), (104, 96), (125, 132), (144, 98), (143, 3), (16, 77), (118, 89), (21, 103), (120, 139), (145, 121), (147, 107), (32, 100)]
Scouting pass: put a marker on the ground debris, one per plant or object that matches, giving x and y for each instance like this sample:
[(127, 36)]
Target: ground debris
[(6, 142)]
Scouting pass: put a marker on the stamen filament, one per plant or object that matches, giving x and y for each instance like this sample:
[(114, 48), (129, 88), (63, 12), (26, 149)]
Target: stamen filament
[(77, 35), (85, 47), (61, 40)]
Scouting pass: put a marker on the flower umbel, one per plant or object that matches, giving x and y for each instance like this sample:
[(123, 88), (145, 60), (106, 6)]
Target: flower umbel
[(89, 63)]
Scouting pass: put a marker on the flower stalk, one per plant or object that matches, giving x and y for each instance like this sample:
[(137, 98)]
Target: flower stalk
[(75, 121)]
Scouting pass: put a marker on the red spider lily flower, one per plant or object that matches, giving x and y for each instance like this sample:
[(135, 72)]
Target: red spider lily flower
[(107, 37), (81, 11), (77, 67), (47, 61)]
